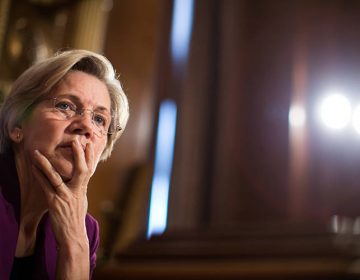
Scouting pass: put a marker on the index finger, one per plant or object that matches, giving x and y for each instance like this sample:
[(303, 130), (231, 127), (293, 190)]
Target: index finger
[(82, 171)]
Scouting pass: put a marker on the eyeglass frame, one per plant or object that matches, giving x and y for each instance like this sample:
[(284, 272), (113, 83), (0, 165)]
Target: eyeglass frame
[(80, 112)]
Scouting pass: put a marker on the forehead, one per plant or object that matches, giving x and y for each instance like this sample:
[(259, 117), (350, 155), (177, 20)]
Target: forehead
[(84, 88)]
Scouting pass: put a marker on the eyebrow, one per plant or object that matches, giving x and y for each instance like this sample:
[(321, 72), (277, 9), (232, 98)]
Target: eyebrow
[(77, 100)]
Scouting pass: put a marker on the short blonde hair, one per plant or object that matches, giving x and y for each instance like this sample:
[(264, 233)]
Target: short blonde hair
[(40, 79)]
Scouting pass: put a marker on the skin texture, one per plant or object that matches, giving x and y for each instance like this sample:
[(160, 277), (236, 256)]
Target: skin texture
[(55, 160), (49, 135)]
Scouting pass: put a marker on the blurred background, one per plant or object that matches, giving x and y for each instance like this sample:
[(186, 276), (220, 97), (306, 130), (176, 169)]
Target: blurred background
[(241, 157)]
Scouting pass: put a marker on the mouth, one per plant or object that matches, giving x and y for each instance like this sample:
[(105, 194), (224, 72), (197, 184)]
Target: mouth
[(66, 150), (68, 146)]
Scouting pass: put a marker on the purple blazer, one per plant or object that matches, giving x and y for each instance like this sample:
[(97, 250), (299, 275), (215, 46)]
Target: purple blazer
[(45, 249)]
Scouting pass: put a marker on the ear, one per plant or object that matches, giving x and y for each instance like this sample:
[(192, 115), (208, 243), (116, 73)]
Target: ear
[(16, 134)]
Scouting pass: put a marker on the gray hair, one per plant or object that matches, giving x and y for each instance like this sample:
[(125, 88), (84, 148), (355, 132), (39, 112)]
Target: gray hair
[(39, 80)]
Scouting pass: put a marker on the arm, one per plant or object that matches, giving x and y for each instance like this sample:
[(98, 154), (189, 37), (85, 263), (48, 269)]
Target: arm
[(73, 261), (67, 204)]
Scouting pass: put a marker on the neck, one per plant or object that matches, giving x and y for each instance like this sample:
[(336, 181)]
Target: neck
[(32, 206), (33, 201)]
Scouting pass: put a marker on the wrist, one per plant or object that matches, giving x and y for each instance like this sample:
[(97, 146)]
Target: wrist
[(73, 260), (74, 248)]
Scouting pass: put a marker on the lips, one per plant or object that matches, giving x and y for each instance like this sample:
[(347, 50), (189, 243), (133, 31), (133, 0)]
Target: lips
[(68, 145), (66, 149)]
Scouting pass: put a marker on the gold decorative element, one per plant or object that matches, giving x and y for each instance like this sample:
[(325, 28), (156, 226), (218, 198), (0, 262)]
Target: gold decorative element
[(90, 24), (32, 30), (4, 13)]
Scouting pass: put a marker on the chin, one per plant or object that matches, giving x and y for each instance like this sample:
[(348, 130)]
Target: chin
[(65, 169)]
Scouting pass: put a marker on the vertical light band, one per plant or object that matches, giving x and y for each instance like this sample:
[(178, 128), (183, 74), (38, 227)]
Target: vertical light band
[(181, 29), (165, 139), (164, 152)]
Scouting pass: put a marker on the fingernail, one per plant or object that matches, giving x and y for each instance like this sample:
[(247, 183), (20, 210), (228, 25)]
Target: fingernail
[(36, 152)]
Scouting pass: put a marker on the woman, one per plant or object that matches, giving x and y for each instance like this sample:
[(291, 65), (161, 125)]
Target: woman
[(61, 118)]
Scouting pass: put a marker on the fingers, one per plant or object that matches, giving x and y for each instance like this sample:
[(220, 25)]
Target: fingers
[(79, 159), (46, 174), (48, 191), (83, 166), (83, 163), (90, 157)]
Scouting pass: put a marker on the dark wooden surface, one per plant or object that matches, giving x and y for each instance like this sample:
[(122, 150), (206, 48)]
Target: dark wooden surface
[(251, 253)]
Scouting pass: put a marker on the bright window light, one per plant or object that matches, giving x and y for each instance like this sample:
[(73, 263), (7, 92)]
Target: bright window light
[(164, 151), (335, 111), (356, 119), (297, 116)]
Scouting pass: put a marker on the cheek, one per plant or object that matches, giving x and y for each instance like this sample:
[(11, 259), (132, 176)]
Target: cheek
[(36, 140), (99, 149), (43, 130), (44, 139)]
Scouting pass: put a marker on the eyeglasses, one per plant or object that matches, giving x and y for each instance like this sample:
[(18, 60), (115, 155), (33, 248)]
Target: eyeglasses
[(102, 122)]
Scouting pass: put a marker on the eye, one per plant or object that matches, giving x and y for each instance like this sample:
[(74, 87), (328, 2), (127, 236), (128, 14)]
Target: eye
[(100, 120), (64, 105)]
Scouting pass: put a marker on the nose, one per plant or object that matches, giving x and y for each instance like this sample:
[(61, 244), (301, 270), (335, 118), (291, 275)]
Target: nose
[(82, 124)]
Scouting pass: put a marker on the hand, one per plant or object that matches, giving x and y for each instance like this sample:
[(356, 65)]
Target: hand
[(67, 201)]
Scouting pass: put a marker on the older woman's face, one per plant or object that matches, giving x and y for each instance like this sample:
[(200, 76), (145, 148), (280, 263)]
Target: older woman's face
[(53, 136)]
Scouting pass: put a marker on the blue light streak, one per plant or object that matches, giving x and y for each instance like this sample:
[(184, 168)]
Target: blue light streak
[(181, 29), (164, 152), (165, 138)]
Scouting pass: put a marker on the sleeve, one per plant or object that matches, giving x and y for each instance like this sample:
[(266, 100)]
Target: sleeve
[(92, 228)]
